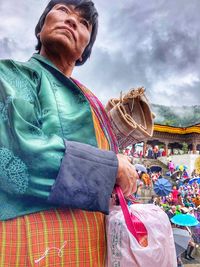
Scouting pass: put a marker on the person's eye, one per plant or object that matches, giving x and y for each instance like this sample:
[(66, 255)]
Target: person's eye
[(64, 9), (85, 23)]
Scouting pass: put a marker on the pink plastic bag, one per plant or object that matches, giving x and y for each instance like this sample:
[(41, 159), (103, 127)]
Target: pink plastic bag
[(124, 249)]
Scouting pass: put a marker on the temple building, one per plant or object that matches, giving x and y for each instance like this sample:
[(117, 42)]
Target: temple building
[(174, 137)]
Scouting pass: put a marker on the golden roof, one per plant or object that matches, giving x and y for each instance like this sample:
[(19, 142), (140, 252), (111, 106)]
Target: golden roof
[(177, 130)]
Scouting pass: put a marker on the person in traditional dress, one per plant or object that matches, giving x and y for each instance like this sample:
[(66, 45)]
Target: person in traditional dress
[(171, 166), (175, 194), (147, 180), (59, 159)]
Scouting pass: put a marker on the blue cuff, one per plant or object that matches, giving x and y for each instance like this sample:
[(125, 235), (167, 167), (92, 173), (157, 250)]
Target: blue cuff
[(86, 178)]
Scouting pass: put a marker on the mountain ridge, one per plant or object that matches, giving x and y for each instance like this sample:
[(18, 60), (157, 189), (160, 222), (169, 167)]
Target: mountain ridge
[(182, 116)]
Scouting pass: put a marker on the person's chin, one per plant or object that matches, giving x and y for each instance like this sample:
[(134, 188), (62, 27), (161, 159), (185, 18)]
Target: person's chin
[(60, 41), (64, 38), (58, 36)]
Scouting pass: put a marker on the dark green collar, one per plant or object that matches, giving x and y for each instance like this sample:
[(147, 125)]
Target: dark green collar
[(44, 60)]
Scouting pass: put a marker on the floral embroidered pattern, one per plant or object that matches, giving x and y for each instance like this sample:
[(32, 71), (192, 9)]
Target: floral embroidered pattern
[(13, 172), (7, 209), (4, 108), (23, 86)]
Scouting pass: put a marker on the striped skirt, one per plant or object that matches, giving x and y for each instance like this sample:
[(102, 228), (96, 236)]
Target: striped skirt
[(55, 238)]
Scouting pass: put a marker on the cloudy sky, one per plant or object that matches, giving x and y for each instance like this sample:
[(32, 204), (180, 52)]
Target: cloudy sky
[(150, 43)]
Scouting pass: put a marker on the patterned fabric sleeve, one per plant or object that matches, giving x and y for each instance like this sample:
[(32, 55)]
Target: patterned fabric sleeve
[(29, 159)]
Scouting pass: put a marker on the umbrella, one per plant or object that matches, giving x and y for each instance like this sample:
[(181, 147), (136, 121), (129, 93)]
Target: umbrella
[(155, 168), (181, 167), (175, 174), (184, 180), (185, 175), (162, 187), (168, 173), (140, 168), (195, 179), (181, 240), (184, 220)]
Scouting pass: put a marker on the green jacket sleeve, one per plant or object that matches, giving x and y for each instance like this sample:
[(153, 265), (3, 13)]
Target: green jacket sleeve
[(29, 160)]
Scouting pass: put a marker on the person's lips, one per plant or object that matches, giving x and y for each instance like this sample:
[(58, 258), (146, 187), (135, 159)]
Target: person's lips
[(67, 29)]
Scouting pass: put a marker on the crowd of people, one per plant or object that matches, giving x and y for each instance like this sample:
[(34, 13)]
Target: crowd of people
[(183, 199), (152, 151)]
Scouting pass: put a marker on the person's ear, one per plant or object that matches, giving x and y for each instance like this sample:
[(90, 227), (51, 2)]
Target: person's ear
[(38, 35), (80, 59)]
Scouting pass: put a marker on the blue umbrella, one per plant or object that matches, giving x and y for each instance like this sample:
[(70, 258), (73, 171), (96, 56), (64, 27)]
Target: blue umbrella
[(184, 220), (155, 168), (162, 187), (195, 179)]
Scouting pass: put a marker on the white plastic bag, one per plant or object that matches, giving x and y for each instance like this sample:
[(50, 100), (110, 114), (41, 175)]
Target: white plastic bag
[(123, 248)]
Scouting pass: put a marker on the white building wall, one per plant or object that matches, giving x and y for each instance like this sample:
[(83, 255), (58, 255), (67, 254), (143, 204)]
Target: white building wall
[(185, 159)]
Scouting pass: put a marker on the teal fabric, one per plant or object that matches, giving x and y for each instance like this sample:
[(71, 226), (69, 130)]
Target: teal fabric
[(39, 108)]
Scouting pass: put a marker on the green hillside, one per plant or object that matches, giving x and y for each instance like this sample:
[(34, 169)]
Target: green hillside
[(176, 116)]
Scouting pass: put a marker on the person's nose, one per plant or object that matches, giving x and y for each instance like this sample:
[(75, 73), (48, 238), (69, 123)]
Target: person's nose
[(71, 21)]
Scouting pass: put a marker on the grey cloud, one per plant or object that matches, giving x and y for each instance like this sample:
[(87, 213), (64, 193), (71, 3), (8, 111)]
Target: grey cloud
[(114, 74), (6, 46), (154, 43)]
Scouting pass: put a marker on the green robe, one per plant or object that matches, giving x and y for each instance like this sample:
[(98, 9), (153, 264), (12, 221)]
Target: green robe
[(39, 109)]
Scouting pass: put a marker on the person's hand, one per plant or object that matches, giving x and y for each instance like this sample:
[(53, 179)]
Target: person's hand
[(126, 176)]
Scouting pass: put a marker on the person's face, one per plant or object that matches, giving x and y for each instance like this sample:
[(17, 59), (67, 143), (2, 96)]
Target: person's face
[(65, 31), (173, 209)]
